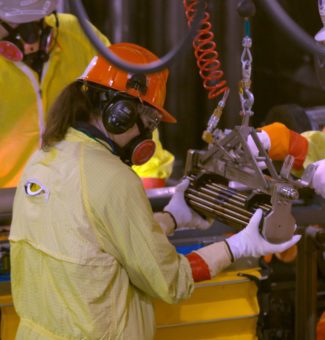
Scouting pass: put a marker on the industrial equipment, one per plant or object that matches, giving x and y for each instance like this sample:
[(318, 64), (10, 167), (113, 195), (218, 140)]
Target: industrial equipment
[(228, 157)]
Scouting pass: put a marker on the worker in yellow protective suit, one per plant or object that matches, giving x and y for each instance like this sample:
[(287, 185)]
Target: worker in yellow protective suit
[(87, 252), (40, 53), (306, 148)]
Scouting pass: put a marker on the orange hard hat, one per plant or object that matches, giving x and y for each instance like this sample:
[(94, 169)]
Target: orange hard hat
[(150, 88)]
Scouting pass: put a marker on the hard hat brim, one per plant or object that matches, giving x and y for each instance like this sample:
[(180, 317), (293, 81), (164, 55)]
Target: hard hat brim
[(166, 116)]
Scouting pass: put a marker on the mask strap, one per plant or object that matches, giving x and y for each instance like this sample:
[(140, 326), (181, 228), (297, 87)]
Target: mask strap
[(7, 27), (94, 133)]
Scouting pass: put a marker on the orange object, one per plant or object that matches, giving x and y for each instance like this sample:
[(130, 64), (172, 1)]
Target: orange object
[(298, 148), (151, 88), (288, 255), (200, 269), (286, 142), (268, 258), (320, 328), (151, 183)]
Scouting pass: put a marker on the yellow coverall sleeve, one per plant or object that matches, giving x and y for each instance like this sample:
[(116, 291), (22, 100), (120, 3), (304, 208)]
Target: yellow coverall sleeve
[(316, 146), (316, 149), (128, 231)]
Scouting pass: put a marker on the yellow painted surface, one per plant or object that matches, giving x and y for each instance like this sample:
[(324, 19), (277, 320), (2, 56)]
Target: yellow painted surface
[(223, 308), (243, 329)]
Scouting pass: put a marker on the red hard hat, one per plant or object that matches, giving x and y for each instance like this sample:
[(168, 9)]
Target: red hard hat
[(151, 88)]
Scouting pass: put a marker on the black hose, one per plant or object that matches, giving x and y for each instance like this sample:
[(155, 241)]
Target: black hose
[(288, 26), (152, 67)]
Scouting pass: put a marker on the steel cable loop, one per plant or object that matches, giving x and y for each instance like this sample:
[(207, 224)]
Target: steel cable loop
[(152, 67), (291, 28), (205, 52)]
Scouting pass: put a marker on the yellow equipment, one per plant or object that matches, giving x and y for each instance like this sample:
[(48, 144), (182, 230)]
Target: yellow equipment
[(223, 308)]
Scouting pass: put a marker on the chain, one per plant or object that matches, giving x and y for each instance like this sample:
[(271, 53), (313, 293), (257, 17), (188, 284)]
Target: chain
[(245, 94)]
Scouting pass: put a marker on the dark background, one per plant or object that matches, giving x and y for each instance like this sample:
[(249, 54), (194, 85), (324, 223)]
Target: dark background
[(282, 72)]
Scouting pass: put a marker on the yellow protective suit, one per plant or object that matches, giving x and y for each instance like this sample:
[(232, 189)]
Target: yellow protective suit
[(316, 149), (316, 146), (307, 147), (86, 253), (25, 101)]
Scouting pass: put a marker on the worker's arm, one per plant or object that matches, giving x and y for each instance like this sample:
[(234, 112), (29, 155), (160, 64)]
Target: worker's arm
[(283, 141), (128, 231), (208, 261), (307, 148)]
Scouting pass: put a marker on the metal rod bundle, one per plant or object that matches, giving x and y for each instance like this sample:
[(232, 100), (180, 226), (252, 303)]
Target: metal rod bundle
[(218, 201)]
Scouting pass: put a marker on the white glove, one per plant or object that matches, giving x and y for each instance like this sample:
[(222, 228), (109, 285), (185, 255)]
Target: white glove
[(249, 241), (318, 182), (264, 139), (182, 213), (266, 143)]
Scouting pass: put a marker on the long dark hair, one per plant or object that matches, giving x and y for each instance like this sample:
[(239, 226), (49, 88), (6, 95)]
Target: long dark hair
[(75, 103)]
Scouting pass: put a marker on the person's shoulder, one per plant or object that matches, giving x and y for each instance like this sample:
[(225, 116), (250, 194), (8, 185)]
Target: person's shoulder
[(67, 19), (104, 173), (67, 24), (315, 135), (101, 161), (69, 27)]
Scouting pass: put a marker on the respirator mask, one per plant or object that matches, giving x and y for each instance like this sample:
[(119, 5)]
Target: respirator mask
[(27, 42), (141, 148), (120, 112)]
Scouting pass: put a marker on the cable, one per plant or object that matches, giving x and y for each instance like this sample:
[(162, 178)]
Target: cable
[(205, 51), (152, 67), (294, 31)]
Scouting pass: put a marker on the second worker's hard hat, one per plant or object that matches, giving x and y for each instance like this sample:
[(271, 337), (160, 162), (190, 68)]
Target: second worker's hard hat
[(18, 11)]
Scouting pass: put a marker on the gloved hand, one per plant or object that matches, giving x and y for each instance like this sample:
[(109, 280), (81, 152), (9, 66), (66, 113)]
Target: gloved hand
[(182, 213), (266, 143), (249, 241), (318, 182), (264, 139)]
